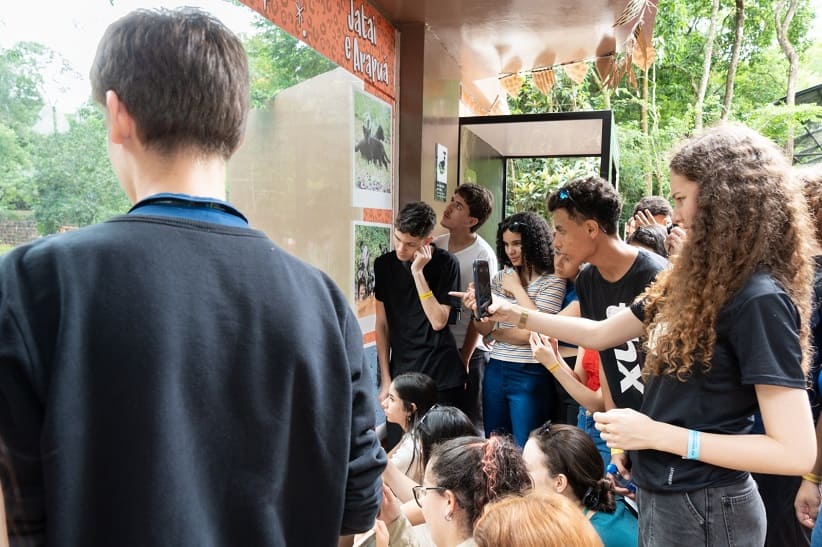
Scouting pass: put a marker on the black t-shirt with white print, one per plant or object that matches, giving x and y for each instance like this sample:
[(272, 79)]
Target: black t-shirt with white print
[(600, 299), (757, 342)]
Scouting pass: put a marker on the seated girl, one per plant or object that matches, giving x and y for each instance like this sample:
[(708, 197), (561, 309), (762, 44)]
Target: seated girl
[(409, 398), (563, 459), (461, 478)]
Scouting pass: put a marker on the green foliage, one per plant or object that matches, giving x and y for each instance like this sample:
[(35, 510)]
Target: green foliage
[(531, 181), (278, 61), (774, 120), (20, 84), (679, 42), (75, 185), (15, 192)]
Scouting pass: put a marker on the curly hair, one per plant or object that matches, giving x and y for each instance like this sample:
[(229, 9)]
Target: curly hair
[(590, 198), (570, 451), (478, 471), (810, 177), (537, 240), (750, 215)]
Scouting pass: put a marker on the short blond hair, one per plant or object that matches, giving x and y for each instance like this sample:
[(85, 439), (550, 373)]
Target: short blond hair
[(539, 519)]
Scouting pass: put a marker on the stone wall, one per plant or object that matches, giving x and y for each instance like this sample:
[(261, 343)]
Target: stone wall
[(17, 232)]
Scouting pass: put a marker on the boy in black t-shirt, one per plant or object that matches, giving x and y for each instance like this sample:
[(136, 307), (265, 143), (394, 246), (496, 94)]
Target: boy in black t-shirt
[(413, 307), (585, 213)]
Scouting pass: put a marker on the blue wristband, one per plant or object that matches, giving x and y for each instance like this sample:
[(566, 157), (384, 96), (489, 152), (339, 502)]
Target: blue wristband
[(694, 440)]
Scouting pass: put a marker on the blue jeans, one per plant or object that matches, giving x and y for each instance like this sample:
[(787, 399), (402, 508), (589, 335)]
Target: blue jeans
[(586, 423), (516, 398), (722, 516), (816, 536), (473, 391)]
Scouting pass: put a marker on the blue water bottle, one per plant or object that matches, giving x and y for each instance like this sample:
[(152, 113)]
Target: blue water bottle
[(620, 481)]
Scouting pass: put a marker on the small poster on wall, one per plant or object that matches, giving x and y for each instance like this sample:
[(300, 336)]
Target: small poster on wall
[(441, 178), (371, 240), (372, 167)]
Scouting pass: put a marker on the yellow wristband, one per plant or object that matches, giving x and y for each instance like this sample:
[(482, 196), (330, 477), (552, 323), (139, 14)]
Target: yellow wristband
[(615, 451), (426, 295), (523, 319), (553, 367), (812, 477)]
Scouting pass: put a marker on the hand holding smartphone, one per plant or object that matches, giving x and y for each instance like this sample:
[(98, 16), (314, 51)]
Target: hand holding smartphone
[(482, 287)]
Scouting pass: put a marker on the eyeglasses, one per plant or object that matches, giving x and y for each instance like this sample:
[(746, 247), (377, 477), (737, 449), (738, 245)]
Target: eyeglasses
[(427, 412), (515, 226), (421, 491), (545, 429)]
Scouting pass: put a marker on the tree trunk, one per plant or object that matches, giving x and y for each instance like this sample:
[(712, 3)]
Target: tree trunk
[(649, 176), (604, 90), (783, 18), (706, 65), (729, 82)]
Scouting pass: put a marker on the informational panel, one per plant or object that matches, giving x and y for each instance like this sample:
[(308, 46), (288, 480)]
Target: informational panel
[(294, 179), (371, 163)]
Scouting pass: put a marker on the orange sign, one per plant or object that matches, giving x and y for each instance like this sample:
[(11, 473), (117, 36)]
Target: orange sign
[(350, 33)]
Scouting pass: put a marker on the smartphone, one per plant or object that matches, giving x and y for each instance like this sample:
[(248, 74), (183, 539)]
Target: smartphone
[(482, 287)]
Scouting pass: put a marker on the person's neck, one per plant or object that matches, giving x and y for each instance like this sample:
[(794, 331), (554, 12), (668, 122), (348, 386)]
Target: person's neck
[(613, 258), (460, 239), (182, 173), (456, 536)]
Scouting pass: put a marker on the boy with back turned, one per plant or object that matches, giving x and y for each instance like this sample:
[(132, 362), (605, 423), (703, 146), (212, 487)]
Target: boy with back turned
[(171, 377)]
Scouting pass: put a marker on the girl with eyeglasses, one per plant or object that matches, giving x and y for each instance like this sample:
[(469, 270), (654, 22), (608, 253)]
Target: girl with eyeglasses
[(410, 395), (564, 459), (518, 394), (461, 478), (727, 334)]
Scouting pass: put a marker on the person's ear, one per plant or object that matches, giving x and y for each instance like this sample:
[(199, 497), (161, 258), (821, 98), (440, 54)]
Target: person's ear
[(427, 240), (450, 504), (591, 226), (413, 408), (472, 221), (560, 483), (121, 125)]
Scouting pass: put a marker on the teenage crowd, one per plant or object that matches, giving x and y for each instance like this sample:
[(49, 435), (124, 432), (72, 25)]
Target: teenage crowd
[(657, 390), (688, 349)]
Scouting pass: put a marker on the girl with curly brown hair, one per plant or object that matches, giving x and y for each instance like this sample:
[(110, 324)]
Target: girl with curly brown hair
[(727, 335), (518, 394)]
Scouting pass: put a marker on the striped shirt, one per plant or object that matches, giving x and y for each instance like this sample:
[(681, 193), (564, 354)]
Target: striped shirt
[(547, 293)]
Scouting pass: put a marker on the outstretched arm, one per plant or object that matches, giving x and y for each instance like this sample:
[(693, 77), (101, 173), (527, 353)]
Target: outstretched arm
[(598, 335)]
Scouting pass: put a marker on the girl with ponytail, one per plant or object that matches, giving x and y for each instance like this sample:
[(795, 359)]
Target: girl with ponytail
[(564, 459)]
